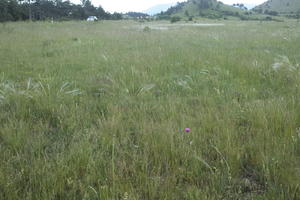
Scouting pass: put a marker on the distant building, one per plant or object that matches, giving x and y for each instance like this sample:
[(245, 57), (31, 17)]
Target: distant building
[(92, 19)]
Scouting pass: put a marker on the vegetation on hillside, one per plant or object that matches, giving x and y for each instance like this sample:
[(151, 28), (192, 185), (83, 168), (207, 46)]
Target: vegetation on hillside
[(203, 8), (275, 7), (99, 111), (136, 15)]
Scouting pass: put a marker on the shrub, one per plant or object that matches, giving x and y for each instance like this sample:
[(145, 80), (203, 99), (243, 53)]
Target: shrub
[(147, 29), (244, 18), (274, 13), (175, 19), (268, 18)]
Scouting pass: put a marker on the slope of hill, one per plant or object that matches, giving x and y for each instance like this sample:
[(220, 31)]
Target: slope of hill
[(159, 8), (279, 6), (202, 8)]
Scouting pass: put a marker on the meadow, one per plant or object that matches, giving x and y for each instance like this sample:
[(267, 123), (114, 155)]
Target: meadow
[(98, 111)]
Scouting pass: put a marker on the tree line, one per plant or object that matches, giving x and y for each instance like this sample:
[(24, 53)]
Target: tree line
[(21, 10)]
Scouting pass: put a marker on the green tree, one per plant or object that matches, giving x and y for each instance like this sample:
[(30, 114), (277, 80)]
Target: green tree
[(204, 4), (186, 12), (14, 10), (29, 9), (116, 16), (9, 10), (101, 14), (4, 14)]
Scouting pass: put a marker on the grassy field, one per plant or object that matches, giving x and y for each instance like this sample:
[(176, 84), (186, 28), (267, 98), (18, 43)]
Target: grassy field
[(98, 110)]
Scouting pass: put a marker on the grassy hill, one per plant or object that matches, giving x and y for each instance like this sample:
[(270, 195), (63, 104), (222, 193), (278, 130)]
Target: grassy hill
[(203, 8), (279, 6), (158, 8)]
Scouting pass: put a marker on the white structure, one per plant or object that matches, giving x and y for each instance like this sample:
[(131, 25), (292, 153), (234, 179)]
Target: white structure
[(92, 19)]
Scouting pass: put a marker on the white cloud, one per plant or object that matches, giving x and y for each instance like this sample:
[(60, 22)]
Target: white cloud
[(141, 5)]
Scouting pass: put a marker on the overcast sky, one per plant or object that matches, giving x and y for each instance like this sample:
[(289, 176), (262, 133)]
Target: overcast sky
[(141, 5)]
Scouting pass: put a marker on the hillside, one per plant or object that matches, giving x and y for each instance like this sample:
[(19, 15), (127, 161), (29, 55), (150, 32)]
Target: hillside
[(202, 8), (279, 6), (158, 8)]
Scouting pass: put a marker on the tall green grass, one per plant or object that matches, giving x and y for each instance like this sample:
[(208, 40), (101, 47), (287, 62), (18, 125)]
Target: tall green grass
[(98, 111)]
